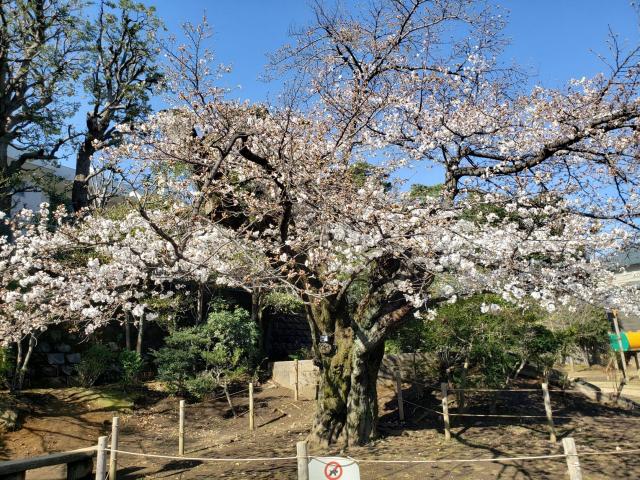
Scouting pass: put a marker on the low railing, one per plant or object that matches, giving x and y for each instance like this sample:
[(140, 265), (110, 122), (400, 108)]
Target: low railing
[(79, 464)]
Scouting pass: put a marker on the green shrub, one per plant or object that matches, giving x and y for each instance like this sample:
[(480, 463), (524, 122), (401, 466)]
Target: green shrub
[(130, 365), (196, 360), (180, 358), (494, 344), (96, 360), (201, 385)]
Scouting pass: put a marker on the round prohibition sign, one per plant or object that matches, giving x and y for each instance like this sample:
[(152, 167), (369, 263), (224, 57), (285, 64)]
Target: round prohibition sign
[(333, 470)]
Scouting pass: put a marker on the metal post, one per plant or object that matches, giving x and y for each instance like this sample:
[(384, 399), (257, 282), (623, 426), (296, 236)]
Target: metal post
[(113, 456), (101, 459), (573, 461), (181, 430), (303, 460)]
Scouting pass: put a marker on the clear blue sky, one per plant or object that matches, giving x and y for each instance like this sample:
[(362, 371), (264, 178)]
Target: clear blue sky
[(554, 39)]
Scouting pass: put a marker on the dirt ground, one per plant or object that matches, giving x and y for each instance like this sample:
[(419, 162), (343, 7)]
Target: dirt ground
[(64, 419)]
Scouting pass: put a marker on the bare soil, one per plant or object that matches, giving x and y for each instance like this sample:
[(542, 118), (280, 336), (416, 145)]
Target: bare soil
[(64, 419)]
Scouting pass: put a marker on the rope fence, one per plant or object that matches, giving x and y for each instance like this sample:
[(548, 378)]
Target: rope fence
[(374, 460), (571, 456), (479, 414), (445, 414), (302, 457)]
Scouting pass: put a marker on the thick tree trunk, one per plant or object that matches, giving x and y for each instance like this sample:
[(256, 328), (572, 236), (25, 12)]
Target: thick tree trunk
[(22, 363), (5, 187), (257, 318), (80, 190), (347, 404)]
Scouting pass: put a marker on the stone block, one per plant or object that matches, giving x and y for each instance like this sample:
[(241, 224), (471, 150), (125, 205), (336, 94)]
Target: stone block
[(55, 358), (63, 347), (73, 358), (49, 371)]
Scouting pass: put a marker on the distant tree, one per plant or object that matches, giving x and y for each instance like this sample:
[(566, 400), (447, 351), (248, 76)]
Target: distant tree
[(122, 76), (41, 43)]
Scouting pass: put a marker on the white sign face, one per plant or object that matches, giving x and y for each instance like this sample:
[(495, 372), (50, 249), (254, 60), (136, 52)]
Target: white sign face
[(333, 468)]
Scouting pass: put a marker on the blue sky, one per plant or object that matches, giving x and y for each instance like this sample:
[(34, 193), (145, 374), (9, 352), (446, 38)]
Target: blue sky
[(554, 39)]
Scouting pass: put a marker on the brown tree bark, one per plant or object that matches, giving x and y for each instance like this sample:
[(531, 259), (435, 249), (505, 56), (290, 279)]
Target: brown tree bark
[(140, 336), (127, 332), (80, 191), (22, 363), (347, 404), (349, 361), (5, 192)]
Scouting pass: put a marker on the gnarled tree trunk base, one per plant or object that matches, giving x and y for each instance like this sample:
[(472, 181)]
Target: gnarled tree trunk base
[(347, 404)]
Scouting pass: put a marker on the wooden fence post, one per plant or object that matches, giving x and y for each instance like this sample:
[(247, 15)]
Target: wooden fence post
[(101, 459), (303, 460), (573, 461), (251, 420), (620, 346), (296, 394), (399, 395), (445, 411), (572, 366), (181, 429), (113, 456), (547, 408)]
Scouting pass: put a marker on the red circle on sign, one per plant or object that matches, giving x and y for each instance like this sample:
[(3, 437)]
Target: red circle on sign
[(333, 470)]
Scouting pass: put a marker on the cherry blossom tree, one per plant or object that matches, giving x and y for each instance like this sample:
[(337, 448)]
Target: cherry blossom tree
[(539, 187), (278, 181)]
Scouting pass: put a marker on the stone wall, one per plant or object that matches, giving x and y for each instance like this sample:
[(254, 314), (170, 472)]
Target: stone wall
[(283, 373)]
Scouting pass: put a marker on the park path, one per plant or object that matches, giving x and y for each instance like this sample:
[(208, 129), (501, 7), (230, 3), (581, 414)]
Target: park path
[(608, 379)]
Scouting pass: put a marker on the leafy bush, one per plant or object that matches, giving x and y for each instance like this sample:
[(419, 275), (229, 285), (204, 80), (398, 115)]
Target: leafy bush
[(6, 366), (96, 361), (201, 385), (494, 343), (283, 302), (196, 360), (130, 365)]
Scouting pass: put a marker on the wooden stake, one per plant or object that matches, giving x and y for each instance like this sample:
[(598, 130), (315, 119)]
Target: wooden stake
[(572, 367), (101, 459), (445, 411), (573, 461), (620, 347), (181, 429), (303, 460), (547, 408), (295, 386), (635, 356), (113, 457), (251, 421), (399, 395), (463, 385)]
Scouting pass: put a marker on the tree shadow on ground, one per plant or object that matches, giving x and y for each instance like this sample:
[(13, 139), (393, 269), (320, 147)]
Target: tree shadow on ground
[(574, 415)]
